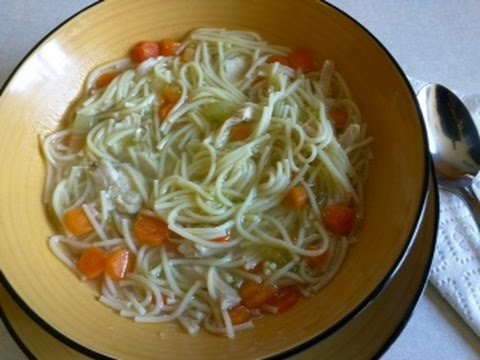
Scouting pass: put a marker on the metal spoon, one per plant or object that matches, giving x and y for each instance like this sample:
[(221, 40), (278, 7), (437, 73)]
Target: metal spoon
[(454, 143)]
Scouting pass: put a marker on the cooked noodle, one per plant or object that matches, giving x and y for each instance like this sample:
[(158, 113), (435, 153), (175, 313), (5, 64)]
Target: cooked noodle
[(187, 170)]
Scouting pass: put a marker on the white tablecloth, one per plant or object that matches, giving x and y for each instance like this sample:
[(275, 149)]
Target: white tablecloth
[(437, 41)]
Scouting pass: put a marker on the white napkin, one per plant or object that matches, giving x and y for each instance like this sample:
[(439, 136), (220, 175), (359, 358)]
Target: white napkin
[(455, 269)]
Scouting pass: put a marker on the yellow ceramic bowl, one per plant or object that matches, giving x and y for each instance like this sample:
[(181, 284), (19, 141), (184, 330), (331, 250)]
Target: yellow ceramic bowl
[(45, 85)]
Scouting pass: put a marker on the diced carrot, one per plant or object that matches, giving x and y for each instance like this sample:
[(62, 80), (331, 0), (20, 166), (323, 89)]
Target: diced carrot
[(254, 295), (297, 197), (105, 79), (241, 131), (119, 263), (168, 47), (92, 262), (302, 59), (77, 222), (286, 298), (165, 109), (188, 53), (278, 58), (222, 239), (239, 315), (339, 219), (320, 262), (145, 50), (149, 230), (170, 96), (339, 117)]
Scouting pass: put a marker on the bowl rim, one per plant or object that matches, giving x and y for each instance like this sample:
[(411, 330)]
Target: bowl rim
[(428, 175)]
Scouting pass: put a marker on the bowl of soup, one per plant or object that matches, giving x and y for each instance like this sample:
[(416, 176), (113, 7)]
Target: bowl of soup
[(212, 179)]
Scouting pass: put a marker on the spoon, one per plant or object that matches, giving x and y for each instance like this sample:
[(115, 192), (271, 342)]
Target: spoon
[(454, 143)]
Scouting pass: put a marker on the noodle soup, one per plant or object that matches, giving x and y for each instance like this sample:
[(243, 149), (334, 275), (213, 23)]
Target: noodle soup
[(208, 181)]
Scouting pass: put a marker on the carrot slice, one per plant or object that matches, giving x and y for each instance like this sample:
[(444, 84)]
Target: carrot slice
[(92, 262), (339, 219), (77, 222), (320, 262), (119, 263), (241, 132), (278, 58), (168, 47), (105, 79), (286, 298), (145, 50), (297, 197), (170, 96), (254, 295), (339, 117), (149, 230), (239, 315), (302, 59)]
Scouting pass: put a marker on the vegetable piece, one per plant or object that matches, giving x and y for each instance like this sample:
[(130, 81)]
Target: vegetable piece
[(149, 230), (119, 263), (168, 47), (77, 222), (278, 58), (286, 298), (296, 197), (92, 262), (219, 111), (273, 254), (239, 315), (241, 131), (302, 59), (339, 117), (254, 295), (339, 219), (170, 96), (105, 79), (320, 262), (145, 50)]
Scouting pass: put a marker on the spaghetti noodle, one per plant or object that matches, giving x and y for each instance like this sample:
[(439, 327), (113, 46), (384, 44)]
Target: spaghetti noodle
[(237, 152)]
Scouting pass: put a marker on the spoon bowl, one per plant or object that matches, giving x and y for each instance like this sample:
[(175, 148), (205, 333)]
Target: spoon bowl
[(454, 142)]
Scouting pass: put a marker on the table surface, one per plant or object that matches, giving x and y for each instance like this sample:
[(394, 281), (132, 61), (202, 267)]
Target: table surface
[(432, 40)]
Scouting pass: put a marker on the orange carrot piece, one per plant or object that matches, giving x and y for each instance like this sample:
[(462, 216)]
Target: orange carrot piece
[(278, 58), (297, 197), (92, 262), (339, 117), (339, 219), (320, 262), (119, 263), (105, 79), (241, 131), (254, 295), (165, 109), (77, 222), (286, 298), (145, 50), (168, 47), (170, 96), (302, 59), (149, 230), (239, 315)]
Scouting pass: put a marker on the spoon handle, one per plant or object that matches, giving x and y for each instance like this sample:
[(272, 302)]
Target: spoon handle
[(472, 202)]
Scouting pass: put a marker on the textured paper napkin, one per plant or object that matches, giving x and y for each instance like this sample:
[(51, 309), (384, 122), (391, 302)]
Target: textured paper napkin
[(455, 269)]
